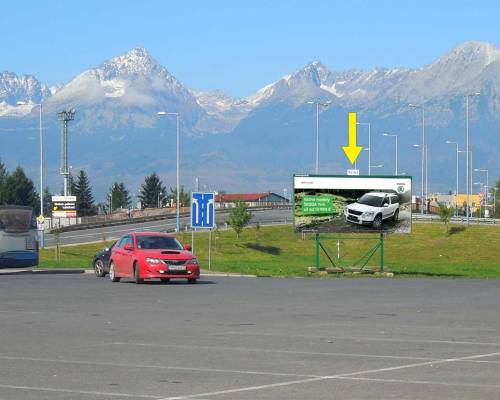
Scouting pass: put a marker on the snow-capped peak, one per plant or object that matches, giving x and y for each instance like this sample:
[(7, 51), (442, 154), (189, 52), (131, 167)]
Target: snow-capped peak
[(135, 62), (26, 88)]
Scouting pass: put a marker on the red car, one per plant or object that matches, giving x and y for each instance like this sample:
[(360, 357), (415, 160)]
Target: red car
[(148, 255)]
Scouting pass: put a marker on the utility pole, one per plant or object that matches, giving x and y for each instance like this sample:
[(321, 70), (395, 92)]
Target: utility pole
[(65, 116)]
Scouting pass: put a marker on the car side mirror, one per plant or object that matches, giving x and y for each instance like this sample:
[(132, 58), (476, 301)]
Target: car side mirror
[(128, 247), (386, 205), (188, 247)]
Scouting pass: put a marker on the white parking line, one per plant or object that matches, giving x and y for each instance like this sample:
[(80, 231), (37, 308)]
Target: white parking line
[(361, 338), (257, 350), (345, 375), (85, 392), (246, 389), (459, 384), (167, 367)]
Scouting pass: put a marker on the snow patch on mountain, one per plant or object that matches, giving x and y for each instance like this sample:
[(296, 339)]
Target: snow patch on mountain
[(26, 88)]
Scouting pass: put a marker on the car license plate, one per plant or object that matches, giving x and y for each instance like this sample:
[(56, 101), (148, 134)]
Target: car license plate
[(176, 267)]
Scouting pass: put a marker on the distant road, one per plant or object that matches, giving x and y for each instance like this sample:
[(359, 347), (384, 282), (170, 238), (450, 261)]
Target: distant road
[(114, 232), (271, 216)]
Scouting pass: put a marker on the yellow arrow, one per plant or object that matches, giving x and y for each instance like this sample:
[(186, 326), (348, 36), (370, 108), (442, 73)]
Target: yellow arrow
[(352, 150)]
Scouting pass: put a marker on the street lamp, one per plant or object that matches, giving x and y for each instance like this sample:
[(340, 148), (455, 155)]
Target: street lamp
[(456, 189), (326, 104), (422, 194), (423, 146), (468, 149), (394, 136), (479, 184), (495, 201), (177, 216), (39, 105), (369, 145), (487, 180)]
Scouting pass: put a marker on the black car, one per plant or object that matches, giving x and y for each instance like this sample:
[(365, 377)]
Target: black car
[(100, 263)]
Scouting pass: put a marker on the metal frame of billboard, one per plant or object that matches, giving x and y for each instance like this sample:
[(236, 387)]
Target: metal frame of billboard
[(365, 258)]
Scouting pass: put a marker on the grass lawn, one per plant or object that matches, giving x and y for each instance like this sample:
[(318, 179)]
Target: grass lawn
[(278, 251)]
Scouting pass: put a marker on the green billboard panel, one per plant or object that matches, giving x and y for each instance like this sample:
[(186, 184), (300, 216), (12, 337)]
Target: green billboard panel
[(317, 205)]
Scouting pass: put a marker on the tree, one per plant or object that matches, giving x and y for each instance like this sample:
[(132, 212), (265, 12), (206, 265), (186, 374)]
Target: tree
[(239, 217), (83, 192), (445, 213), (184, 197), (3, 177), (495, 195), (19, 190), (151, 191), (120, 197), (47, 201)]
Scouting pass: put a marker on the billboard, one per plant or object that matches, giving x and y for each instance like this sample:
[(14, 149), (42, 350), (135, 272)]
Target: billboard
[(63, 206), (352, 204)]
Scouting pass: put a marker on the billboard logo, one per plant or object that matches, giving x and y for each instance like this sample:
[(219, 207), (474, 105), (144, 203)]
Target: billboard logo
[(202, 210)]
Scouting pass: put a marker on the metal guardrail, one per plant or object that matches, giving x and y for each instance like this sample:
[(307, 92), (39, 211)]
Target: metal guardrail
[(456, 220), (152, 218)]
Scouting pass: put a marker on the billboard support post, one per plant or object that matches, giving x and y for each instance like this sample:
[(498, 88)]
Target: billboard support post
[(381, 252), (317, 252), (357, 265)]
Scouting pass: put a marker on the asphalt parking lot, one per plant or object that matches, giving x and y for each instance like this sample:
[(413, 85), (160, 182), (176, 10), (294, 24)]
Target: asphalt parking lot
[(79, 337)]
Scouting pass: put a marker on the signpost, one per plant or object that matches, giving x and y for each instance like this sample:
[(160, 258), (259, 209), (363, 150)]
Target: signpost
[(203, 216)]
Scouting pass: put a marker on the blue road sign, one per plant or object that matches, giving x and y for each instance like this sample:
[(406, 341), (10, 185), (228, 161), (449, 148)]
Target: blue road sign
[(202, 210)]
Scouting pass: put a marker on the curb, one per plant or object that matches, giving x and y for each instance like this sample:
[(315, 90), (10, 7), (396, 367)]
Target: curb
[(41, 272), (227, 274)]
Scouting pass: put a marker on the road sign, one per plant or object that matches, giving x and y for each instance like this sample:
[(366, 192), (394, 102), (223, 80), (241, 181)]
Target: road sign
[(353, 172), (203, 210), (352, 150), (40, 219)]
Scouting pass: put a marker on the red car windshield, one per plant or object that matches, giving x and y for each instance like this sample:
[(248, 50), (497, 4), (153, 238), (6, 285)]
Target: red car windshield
[(158, 243)]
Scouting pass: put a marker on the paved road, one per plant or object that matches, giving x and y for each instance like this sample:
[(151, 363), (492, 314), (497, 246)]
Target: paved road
[(81, 338), (114, 232)]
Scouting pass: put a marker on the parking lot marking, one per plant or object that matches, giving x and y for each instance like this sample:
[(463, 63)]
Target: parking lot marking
[(257, 350), (95, 393), (388, 380), (246, 389), (169, 367), (361, 338), (337, 376)]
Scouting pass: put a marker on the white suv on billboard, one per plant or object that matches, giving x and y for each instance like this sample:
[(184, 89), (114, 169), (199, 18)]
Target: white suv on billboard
[(373, 208)]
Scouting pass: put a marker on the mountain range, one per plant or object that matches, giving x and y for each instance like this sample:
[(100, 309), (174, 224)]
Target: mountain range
[(255, 142)]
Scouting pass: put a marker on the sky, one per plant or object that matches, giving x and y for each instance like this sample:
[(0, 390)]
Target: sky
[(236, 46)]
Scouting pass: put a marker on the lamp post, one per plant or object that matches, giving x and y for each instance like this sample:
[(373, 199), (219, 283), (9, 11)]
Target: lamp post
[(495, 201), (318, 104), (468, 149), (419, 146), (487, 181), (394, 136), (456, 188), (369, 145), (39, 105), (479, 184), (177, 216), (422, 146)]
